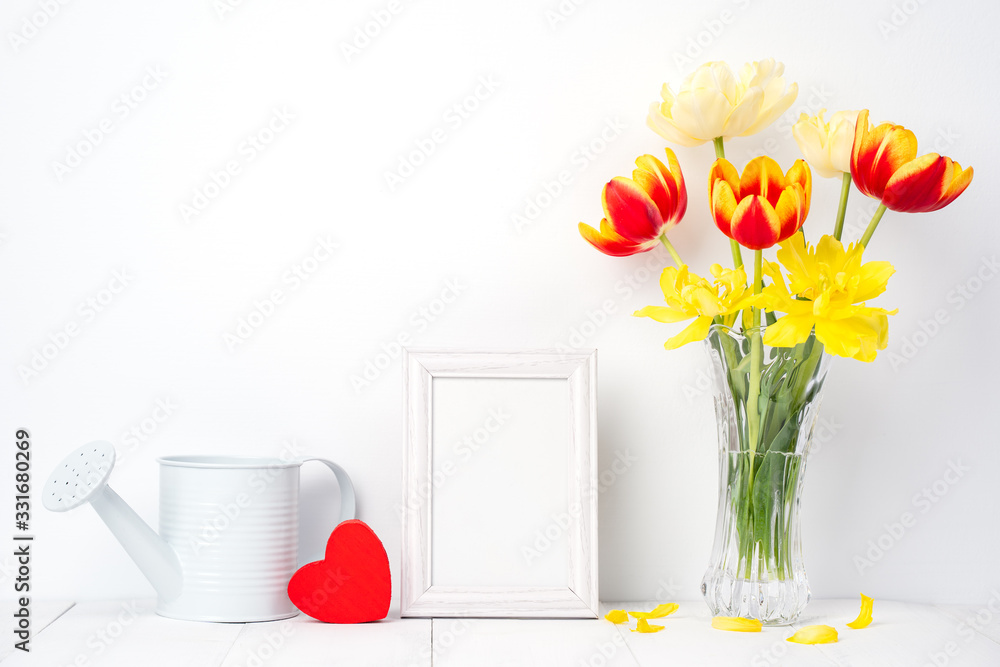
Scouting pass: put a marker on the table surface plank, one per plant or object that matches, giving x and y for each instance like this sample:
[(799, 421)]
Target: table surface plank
[(43, 614), (124, 634), (304, 642), (514, 643)]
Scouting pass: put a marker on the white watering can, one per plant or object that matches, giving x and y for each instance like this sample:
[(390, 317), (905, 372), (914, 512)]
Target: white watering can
[(229, 529)]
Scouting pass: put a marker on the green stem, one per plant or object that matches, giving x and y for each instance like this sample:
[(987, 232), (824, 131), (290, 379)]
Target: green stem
[(752, 404), (845, 190), (756, 357), (872, 225), (720, 150), (670, 248), (758, 281), (734, 247), (737, 255)]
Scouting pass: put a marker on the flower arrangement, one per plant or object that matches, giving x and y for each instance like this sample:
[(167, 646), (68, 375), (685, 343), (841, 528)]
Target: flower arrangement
[(768, 331)]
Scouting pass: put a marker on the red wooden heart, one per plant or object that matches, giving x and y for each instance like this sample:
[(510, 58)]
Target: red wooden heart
[(351, 584)]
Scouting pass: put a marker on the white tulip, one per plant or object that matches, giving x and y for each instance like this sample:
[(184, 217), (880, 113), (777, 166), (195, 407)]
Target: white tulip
[(713, 102), (826, 146)]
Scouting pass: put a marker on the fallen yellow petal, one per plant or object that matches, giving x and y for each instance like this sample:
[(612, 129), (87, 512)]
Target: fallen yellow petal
[(735, 624), (659, 612), (814, 634), (644, 626), (865, 615), (617, 616)]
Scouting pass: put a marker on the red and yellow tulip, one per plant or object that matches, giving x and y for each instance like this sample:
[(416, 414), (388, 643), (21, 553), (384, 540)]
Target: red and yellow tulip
[(885, 166), (763, 206), (640, 209)]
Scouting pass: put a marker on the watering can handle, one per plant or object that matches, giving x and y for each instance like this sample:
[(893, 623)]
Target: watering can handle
[(347, 502)]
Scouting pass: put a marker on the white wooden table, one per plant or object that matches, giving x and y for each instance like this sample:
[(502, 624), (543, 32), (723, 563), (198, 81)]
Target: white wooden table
[(130, 635)]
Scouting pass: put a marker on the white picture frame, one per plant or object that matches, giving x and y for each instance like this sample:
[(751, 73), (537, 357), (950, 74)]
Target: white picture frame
[(452, 527)]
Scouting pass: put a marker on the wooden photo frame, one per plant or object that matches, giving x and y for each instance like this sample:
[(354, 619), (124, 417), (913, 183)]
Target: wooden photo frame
[(499, 505)]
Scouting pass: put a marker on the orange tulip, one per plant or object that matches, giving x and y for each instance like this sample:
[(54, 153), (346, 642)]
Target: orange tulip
[(764, 206), (885, 166), (640, 209)]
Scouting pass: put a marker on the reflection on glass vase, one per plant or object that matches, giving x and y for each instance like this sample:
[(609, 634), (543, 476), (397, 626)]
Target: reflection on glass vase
[(766, 403)]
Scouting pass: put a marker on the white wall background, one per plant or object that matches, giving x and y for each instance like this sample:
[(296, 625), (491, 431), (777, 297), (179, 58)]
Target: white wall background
[(892, 430)]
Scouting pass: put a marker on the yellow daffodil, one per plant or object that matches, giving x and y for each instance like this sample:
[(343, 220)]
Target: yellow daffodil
[(734, 624), (644, 626), (689, 295), (660, 611), (833, 286), (713, 102), (826, 146), (814, 634), (864, 618), (617, 616)]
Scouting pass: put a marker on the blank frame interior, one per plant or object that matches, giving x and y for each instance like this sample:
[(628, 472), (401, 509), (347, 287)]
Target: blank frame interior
[(500, 504), (494, 446)]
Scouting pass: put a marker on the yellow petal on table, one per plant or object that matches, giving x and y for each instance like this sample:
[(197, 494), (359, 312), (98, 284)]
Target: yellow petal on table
[(644, 626), (617, 616), (735, 624), (865, 615), (814, 634), (659, 612)]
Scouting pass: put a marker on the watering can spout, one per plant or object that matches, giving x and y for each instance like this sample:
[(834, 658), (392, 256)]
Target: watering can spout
[(83, 477), (156, 559)]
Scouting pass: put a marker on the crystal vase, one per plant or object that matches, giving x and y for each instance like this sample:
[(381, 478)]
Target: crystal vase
[(766, 403)]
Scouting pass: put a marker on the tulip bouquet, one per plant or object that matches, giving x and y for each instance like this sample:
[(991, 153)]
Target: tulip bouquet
[(770, 335)]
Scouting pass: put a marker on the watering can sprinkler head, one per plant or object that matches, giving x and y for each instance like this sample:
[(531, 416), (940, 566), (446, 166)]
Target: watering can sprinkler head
[(82, 477)]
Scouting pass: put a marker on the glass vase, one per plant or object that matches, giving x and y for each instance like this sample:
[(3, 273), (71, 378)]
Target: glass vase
[(766, 403)]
